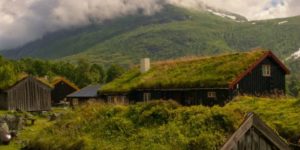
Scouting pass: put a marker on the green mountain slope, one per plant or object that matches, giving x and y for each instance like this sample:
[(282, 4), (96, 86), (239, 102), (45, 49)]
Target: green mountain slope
[(172, 32), (200, 33), (72, 41)]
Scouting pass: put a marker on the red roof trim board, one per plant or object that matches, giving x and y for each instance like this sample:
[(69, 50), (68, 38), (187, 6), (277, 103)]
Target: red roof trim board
[(266, 55)]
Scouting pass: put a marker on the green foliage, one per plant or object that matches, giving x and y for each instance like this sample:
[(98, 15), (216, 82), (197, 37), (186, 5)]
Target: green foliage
[(293, 85), (8, 75), (203, 72), (81, 73), (165, 125), (113, 72)]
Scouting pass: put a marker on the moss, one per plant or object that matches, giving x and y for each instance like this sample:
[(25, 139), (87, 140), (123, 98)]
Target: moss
[(206, 72)]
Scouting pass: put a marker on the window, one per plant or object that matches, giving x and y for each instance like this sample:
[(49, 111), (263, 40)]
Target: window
[(266, 70), (75, 102), (109, 99), (211, 95), (116, 99), (147, 97)]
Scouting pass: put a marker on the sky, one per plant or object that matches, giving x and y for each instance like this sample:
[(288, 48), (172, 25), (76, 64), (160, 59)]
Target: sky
[(23, 21)]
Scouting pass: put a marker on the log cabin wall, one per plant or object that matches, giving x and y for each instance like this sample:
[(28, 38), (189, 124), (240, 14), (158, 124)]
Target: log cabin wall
[(29, 95), (257, 84)]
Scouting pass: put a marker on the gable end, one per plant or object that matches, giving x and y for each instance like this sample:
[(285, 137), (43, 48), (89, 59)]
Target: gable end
[(252, 122), (268, 54)]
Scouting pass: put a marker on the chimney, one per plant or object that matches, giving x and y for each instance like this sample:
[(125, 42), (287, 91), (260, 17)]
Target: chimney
[(145, 65)]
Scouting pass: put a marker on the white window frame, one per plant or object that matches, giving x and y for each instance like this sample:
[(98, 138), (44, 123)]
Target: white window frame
[(211, 94), (147, 97), (266, 70)]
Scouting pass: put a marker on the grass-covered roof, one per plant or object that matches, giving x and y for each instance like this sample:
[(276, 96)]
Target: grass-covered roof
[(59, 79), (12, 81), (198, 72)]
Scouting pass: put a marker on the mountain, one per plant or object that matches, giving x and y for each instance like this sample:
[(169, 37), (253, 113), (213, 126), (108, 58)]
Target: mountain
[(172, 32)]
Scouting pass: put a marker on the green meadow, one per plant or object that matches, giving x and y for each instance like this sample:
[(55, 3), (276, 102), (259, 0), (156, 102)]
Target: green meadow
[(163, 125)]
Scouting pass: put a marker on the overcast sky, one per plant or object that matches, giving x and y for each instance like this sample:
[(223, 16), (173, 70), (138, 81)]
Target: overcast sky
[(22, 21)]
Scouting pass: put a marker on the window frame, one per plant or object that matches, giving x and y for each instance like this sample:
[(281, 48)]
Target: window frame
[(212, 94), (266, 70)]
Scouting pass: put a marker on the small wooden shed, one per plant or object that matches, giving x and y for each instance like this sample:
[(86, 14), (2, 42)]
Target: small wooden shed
[(27, 94), (61, 89), (88, 93), (254, 134)]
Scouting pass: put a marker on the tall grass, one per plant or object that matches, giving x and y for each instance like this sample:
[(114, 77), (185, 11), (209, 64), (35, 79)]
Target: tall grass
[(164, 125)]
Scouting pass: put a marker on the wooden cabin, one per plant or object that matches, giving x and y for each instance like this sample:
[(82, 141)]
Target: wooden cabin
[(201, 80), (254, 134), (61, 89), (89, 93), (27, 94)]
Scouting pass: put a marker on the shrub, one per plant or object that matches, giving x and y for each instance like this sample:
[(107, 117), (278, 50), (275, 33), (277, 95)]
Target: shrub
[(118, 126)]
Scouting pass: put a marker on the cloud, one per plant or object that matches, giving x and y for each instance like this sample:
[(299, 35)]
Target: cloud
[(22, 21), (259, 9)]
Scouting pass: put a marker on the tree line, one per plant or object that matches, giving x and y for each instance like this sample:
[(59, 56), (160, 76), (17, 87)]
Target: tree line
[(82, 73)]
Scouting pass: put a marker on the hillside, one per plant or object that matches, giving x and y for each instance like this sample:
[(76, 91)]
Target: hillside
[(165, 125), (170, 33)]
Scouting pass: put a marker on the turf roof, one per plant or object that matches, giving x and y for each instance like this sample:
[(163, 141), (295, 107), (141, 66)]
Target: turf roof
[(200, 72), (59, 79), (21, 77)]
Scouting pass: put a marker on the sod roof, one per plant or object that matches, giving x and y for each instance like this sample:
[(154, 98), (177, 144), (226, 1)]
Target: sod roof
[(199, 72), (21, 77), (59, 79)]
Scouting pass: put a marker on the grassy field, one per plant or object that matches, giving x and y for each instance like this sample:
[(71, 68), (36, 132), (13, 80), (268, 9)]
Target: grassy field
[(26, 134), (165, 125)]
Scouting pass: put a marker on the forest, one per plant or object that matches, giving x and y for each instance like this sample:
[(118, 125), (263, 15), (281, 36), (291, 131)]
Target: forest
[(81, 72)]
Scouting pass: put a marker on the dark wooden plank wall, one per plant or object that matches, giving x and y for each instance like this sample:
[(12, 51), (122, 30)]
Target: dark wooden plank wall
[(29, 95), (60, 92), (185, 97), (256, 84), (3, 101), (83, 100), (253, 140)]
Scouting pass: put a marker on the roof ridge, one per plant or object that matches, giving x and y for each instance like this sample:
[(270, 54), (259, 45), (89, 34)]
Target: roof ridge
[(196, 58)]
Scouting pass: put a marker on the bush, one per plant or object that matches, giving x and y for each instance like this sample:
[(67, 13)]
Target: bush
[(164, 125), (118, 126)]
